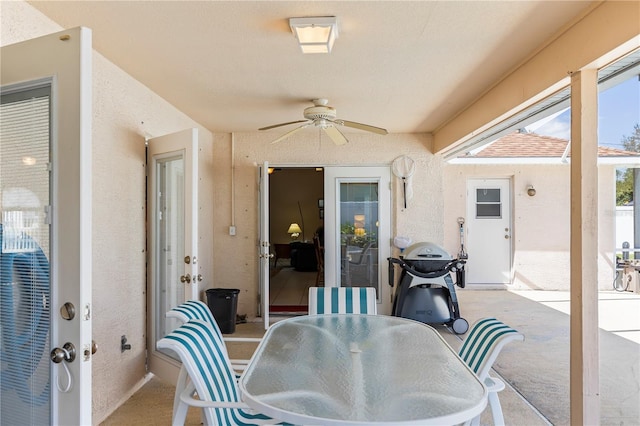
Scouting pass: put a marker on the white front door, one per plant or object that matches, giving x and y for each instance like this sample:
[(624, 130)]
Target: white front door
[(488, 231), (357, 223), (173, 244), (46, 256)]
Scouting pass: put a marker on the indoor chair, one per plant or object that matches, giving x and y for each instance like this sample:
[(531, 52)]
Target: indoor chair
[(205, 359), (480, 350), (342, 300), (320, 259)]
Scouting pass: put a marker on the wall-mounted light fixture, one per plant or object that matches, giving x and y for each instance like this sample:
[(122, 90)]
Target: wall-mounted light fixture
[(315, 34), (531, 191)]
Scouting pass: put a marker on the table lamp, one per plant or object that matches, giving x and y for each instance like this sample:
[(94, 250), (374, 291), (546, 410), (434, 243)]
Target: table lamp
[(294, 230)]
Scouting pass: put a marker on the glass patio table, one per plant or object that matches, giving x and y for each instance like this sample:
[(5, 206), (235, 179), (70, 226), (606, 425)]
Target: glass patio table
[(360, 369)]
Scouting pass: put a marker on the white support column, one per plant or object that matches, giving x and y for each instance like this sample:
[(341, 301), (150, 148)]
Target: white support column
[(584, 371)]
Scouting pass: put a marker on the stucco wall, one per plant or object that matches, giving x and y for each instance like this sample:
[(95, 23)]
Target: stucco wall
[(541, 232), (124, 113), (235, 257)]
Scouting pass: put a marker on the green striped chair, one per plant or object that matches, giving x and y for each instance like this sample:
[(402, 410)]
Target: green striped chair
[(195, 309), (480, 350), (205, 359), (342, 300)]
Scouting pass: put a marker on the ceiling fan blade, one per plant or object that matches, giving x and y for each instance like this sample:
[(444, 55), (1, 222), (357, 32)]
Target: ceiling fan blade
[(336, 136), (291, 132), (366, 127), (282, 124)]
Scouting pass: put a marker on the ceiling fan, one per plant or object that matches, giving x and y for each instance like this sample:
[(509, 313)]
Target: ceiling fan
[(324, 116)]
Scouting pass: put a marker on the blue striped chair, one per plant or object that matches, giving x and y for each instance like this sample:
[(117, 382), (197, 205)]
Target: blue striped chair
[(195, 309), (480, 350), (342, 300), (205, 359)]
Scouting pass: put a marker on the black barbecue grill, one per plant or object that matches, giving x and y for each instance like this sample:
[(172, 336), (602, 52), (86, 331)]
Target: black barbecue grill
[(426, 291)]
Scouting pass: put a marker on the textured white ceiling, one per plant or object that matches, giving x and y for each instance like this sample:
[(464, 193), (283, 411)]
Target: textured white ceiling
[(408, 66)]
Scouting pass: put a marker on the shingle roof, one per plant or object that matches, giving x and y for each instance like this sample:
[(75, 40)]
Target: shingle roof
[(520, 145)]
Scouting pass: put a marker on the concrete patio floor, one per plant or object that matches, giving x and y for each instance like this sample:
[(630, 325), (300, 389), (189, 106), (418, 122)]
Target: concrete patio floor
[(538, 368), (536, 371)]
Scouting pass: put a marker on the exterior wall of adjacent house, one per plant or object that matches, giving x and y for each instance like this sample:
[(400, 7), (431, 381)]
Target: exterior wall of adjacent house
[(541, 232), (624, 226)]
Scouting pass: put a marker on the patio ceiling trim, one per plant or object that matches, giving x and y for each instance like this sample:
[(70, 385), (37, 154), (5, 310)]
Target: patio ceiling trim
[(592, 41), (547, 161)]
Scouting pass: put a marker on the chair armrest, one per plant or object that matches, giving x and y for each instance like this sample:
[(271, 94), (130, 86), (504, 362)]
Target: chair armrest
[(243, 339), (241, 364), (494, 384), (239, 367), (188, 399)]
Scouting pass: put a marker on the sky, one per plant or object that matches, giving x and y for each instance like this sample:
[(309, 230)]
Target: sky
[(618, 113)]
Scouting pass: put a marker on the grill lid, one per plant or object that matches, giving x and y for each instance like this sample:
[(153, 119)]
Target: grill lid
[(426, 251)]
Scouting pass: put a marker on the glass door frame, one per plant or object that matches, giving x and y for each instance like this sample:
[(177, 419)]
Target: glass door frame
[(182, 144), (334, 176)]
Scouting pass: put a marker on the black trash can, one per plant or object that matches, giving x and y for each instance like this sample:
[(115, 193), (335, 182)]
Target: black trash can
[(223, 303)]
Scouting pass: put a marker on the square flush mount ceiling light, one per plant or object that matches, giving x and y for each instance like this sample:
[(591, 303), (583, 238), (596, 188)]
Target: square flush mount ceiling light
[(316, 34)]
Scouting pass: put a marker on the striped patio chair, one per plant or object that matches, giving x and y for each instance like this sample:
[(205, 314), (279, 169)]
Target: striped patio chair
[(195, 309), (342, 300), (480, 350), (203, 356)]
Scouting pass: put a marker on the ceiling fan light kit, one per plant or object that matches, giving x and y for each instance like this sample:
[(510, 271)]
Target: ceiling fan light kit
[(324, 116), (315, 34)]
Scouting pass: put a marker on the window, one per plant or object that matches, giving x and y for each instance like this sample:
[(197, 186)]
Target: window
[(488, 204)]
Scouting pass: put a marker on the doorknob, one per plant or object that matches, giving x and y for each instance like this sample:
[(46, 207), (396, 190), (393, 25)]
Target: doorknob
[(66, 353), (185, 278)]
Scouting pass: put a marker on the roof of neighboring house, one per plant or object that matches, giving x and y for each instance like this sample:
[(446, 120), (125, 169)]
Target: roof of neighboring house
[(532, 145)]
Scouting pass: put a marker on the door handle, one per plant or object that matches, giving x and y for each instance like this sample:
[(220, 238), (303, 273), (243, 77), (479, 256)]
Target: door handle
[(66, 353), (185, 278)]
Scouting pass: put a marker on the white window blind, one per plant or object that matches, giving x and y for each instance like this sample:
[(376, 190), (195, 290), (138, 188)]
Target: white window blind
[(25, 293)]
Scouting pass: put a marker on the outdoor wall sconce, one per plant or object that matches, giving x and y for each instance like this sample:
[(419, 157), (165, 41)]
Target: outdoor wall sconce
[(531, 191)]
